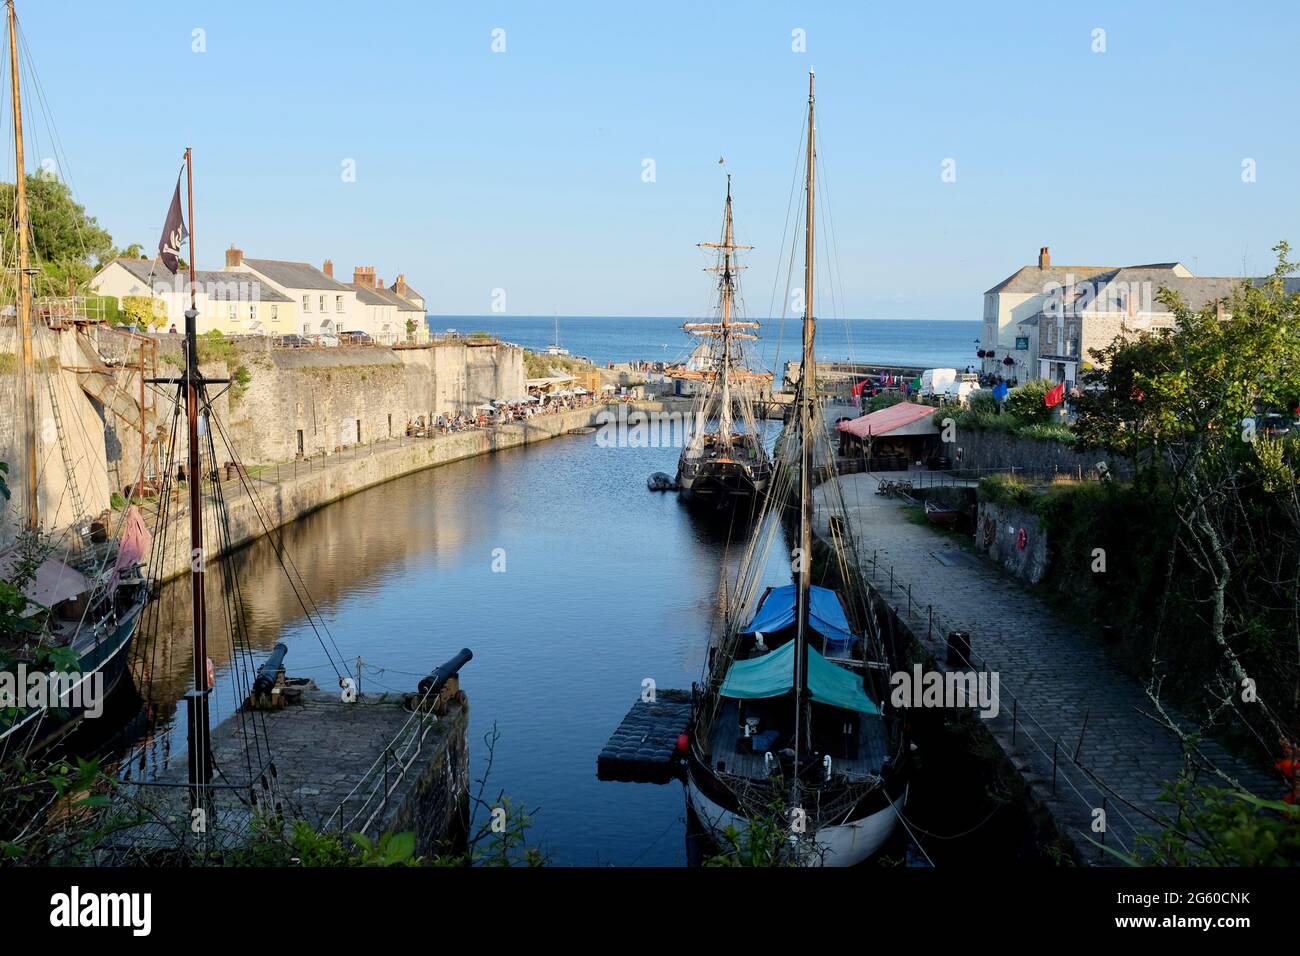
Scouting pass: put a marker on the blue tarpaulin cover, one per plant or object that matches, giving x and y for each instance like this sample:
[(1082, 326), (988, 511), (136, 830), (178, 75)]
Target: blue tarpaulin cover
[(826, 614), (773, 675)]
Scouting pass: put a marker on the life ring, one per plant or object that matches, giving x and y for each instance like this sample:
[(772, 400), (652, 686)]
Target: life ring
[(1022, 539)]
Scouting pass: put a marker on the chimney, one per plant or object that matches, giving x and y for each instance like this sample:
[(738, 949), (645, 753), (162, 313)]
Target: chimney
[(234, 257), (364, 276), (1044, 258), (328, 268), (377, 283), (400, 285)]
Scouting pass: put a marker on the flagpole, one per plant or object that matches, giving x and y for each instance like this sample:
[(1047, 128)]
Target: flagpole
[(200, 757)]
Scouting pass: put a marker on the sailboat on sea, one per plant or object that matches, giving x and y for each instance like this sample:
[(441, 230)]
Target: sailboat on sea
[(792, 732), (729, 463), (80, 590), (555, 348)]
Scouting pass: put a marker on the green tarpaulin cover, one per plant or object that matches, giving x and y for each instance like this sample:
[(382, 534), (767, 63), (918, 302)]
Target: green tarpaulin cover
[(773, 675)]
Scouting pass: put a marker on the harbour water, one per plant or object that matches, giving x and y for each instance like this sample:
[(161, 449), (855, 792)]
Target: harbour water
[(925, 342), (604, 585)]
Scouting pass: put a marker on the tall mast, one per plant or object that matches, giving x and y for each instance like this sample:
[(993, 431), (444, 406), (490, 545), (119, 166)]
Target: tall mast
[(200, 764), (24, 280), (725, 330), (724, 413), (807, 412)]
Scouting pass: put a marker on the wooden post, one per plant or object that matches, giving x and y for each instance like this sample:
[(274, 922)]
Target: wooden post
[(32, 518)]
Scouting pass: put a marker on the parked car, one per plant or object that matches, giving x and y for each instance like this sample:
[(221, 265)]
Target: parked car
[(328, 339), (356, 337), (294, 341)]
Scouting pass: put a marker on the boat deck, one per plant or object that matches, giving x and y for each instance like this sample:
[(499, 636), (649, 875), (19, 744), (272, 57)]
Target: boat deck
[(733, 749)]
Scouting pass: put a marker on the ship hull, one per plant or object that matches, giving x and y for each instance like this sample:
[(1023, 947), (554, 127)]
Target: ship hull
[(42, 727), (862, 834), (721, 486)]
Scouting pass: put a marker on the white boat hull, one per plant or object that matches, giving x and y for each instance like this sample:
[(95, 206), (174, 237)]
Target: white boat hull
[(844, 845)]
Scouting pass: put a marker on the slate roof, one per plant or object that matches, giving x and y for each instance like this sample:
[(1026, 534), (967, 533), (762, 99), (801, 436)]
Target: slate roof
[(1032, 279), (223, 286), (295, 275), (403, 305), (367, 295), (393, 288)]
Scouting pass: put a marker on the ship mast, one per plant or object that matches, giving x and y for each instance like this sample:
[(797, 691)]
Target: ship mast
[(24, 280), (807, 416), (200, 759), (725, 330)]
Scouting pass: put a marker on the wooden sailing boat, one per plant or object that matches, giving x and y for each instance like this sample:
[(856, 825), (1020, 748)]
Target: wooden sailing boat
[(729, 463), (82, 599), (792, 725)]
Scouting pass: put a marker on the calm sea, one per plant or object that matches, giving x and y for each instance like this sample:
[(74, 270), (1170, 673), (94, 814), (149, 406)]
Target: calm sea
[(924, 342)]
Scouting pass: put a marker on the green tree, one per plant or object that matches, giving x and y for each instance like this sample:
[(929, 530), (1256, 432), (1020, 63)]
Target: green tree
[(66, 241), (1183, 402), (143, 311)]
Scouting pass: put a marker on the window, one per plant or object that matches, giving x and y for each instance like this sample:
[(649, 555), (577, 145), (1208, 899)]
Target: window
[(322, 303), (233, 316), (338, 303), (275, 313), (252, 312), (306, 303)]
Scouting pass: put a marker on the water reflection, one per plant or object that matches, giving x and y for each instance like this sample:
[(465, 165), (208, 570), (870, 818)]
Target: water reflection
[(598, 585)]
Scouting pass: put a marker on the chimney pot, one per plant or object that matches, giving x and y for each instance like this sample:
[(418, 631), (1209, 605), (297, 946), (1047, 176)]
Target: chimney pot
[(328, 268), (1044, 258), (234, 257)]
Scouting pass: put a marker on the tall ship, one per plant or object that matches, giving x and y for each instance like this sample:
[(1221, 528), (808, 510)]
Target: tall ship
[(725, 463), (792, 734), (74, 586)]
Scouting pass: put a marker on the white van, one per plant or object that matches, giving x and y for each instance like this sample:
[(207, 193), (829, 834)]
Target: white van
[(935, 381), (961, 390)]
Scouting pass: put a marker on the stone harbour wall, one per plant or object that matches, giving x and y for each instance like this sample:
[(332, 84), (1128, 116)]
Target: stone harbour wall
[(1014, 538)]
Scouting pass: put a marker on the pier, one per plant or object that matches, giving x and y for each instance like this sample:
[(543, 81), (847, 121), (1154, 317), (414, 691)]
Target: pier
[(832, 374), (644, 747), (340, 761)]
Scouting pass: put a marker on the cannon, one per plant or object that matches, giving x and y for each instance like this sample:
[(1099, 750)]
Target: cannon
[(266, 674), (431, 685)]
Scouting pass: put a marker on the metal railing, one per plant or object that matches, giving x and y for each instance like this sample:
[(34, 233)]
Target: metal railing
[(1068, 769)]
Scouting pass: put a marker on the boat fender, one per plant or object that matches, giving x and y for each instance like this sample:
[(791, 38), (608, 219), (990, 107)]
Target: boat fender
[(1022, 539), (683, 742), (768, 760), (826, 765)]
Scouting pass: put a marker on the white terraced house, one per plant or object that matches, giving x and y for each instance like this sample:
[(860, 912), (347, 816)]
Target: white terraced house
[(1048, 319), (395, 318), (233, 304), (324, 305)]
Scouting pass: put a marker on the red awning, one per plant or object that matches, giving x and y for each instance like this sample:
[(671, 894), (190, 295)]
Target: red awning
[(905, 418)]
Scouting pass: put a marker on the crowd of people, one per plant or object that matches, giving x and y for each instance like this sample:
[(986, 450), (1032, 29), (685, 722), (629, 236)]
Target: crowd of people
[(501, 413)]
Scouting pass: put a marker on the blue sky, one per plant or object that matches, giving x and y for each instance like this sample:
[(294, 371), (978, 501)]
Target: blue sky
[(522, 170)]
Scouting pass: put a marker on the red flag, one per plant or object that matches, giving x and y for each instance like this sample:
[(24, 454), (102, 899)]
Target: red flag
[(857, 389), (1054, 396)]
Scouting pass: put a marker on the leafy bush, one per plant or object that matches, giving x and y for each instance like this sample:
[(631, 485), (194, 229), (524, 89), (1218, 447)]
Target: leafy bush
[(982, 402), (1026, 402), (1006, 490)]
